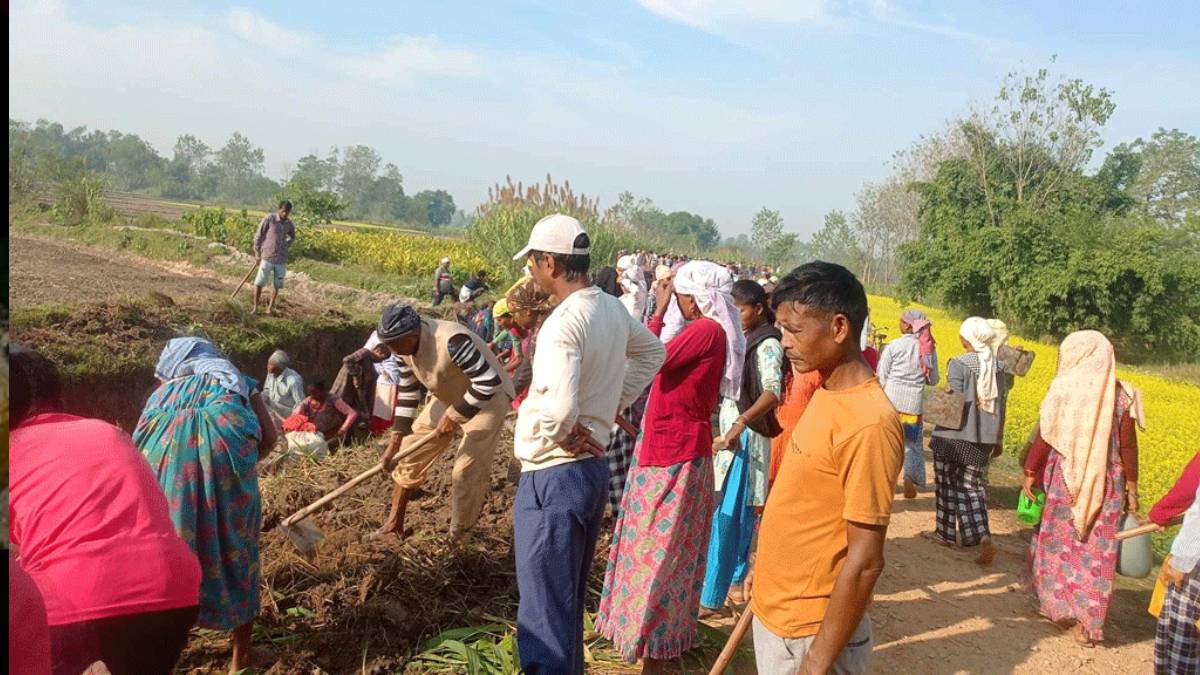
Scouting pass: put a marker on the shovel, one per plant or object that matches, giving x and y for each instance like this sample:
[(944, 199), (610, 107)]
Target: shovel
[(303, 534)]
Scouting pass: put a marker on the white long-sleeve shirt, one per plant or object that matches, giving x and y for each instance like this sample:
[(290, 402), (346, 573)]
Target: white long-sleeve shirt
[(901, 376), (1185, 550), (592, 360)]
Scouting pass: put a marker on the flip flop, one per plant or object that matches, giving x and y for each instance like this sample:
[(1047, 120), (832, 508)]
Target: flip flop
[(937, 539)]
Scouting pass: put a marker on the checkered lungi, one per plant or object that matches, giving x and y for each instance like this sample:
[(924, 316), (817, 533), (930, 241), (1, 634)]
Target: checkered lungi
[(1176, 639), (960, 494), (620, 452)]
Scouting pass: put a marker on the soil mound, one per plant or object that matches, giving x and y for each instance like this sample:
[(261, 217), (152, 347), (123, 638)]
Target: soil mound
[(371, 602)]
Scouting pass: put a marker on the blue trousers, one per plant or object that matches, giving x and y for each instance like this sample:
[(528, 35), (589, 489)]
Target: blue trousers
[(556, 519), (732, 532), (914, 454)]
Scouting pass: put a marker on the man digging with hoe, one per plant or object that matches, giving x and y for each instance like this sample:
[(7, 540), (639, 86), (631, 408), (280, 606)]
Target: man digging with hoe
[(470, 390)]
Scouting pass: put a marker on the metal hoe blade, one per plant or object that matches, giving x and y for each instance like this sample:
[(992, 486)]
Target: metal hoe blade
[(305, 536)]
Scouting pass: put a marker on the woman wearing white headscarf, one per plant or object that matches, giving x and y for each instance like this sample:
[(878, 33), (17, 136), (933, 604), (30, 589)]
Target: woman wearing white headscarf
[(633, 285), (960, 456), (655, 570)]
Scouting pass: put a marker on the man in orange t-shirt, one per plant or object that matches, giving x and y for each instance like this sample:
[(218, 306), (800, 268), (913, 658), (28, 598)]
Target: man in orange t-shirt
[(820, 545)]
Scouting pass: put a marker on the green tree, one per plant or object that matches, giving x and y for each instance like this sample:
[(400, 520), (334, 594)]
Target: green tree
[(1167, 182), (766, 228), (434, 207), (239, 163), (834, 242), (782, 251), (385, 198), (321, 174), (312, 205), (360, 164), (133, 162)]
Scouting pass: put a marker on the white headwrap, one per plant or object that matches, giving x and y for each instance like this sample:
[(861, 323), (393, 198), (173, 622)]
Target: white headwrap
[(712, 286), (633, 281), (1001, 331), (980, 335)]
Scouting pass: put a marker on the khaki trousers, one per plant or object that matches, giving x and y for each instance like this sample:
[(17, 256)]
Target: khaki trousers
[(472, 466)]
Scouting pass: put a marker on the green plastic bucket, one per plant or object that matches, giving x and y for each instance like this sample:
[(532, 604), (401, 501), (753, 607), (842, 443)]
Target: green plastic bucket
[(1029, 511)]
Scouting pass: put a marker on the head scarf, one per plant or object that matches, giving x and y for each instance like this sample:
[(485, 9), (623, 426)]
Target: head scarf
[(606, 279), (630, 271), (1001, 331), (711, 285), (921, 327), (526, 296), (500, 308), (662, 272), (196, 356), (280, 358), (397, 321), (979, 335), (1076, 420)]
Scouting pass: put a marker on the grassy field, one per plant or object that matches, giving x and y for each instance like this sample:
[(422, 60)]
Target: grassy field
[(1171, 406)]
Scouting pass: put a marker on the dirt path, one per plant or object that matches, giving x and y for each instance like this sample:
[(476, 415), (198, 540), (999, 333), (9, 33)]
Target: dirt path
[(936, 612)]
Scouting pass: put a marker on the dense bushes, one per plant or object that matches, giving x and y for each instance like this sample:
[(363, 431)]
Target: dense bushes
[(1067, 263)]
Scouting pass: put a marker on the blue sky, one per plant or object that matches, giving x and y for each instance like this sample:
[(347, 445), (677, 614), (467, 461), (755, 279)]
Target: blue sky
[(718, 108)]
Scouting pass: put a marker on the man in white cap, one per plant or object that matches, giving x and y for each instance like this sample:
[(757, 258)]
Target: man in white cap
[(443, 285), (593, 359)]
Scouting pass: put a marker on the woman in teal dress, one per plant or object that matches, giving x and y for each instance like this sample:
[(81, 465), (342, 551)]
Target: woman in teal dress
[(203, 431)]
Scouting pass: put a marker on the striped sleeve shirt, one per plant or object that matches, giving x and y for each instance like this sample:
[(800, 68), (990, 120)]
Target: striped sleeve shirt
[(485, 381), (408, 397)]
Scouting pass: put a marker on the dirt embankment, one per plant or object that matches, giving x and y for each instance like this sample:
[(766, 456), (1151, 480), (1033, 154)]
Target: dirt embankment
[(104, 318)]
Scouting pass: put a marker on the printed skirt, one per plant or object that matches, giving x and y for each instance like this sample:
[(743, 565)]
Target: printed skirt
[(651, 596)]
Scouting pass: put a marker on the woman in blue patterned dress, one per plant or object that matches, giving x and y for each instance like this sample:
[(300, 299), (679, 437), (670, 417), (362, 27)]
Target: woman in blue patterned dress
[(743, 456), (203, 431)]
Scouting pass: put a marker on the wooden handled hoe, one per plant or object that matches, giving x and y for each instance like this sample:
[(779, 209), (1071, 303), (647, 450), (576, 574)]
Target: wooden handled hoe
[(303, 534)]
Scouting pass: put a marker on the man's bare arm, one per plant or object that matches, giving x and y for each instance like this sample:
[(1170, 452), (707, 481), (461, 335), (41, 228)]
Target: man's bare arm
[(851, 594)]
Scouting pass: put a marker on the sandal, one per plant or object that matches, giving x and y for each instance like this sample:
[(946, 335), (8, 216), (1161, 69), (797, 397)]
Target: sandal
[(937, 539)]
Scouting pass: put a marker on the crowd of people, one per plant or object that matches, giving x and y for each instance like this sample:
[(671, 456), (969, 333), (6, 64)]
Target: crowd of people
[(740, 428)]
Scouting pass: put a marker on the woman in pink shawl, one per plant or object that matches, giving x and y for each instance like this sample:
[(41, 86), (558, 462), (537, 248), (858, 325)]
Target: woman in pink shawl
[(1084, 452)]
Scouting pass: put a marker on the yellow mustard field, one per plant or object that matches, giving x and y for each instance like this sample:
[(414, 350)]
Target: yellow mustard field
[(1172, 408)]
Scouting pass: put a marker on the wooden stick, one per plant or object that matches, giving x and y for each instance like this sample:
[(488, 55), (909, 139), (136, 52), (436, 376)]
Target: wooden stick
[(735, 640), (352, 483), (244, 280), (626, 426), (1139, 530), (337, 492)]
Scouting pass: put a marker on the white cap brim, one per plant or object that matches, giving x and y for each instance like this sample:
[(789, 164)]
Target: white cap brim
[(524, 253)]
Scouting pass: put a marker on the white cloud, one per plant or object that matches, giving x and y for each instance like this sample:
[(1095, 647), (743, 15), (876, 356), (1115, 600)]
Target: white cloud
[(887, 13), (255, 28), (407, 56), (715, 15)]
